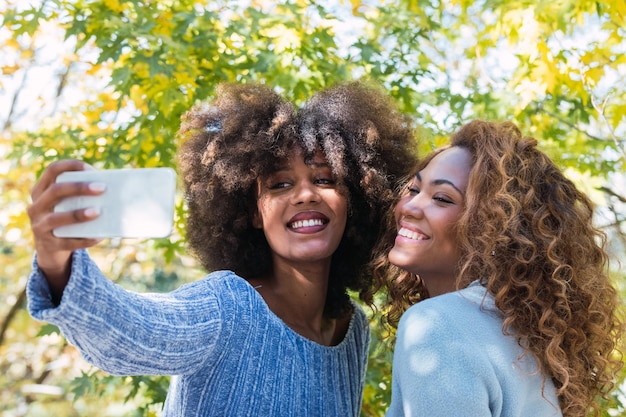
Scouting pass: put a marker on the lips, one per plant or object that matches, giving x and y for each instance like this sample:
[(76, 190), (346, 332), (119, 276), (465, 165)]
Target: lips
[(308, 220)]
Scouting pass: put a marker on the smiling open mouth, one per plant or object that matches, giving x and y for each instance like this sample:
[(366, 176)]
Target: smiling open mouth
[(306, 223), (411, 234)]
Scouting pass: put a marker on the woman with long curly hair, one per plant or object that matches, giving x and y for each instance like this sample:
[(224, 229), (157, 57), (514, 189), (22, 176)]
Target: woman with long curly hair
[(281, 204), (497, 282)]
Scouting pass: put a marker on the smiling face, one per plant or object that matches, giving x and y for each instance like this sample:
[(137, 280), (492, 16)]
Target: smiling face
[(426, 217), (301, 211)]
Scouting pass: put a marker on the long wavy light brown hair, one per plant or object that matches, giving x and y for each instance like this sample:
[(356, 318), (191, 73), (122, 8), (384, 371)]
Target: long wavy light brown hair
[(247, 133), (527, 234)]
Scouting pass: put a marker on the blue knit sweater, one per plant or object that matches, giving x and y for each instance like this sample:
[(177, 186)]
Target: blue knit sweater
[(228, 353), (452, 359)]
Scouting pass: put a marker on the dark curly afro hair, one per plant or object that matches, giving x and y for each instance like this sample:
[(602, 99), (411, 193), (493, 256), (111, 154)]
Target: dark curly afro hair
[(244, 135)]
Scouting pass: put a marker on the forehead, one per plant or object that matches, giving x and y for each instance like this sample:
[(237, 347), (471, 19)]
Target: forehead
[(452, 164)]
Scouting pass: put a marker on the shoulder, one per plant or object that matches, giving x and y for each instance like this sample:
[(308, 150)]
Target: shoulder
[(470, 300), (358, 314), (229, 291), (225, 282), (442, 337), (359, 321), (357, 337), (356, 330), (451, 320)]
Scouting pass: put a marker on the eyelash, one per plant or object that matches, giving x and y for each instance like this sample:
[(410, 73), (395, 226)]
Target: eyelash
[(278, 185), (442, 200), (415, 191), (326, 181)]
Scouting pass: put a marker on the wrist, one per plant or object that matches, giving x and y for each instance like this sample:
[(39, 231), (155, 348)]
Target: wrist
[(56, 271)]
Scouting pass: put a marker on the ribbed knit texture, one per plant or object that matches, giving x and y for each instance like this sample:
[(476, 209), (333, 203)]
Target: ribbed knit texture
[(452, 359), (228, 353)]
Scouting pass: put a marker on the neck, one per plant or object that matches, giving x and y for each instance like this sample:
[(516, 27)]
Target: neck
[(438, 285), (297, 295)]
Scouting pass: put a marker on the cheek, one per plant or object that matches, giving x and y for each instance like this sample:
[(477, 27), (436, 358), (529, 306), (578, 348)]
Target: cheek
[(451, 232), (340, 204)]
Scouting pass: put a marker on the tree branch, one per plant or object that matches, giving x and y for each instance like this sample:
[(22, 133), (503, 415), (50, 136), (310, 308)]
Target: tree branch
[(569, 124), (11, 314), (612, 193)]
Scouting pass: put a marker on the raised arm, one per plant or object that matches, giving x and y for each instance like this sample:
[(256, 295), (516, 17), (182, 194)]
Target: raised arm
[(54, 254)]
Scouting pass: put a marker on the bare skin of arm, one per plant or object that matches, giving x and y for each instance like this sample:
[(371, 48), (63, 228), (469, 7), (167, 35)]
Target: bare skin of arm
[(54, 254)]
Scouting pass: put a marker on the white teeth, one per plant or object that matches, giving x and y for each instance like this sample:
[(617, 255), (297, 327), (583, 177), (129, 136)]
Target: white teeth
[(410, 234), (306, 223)]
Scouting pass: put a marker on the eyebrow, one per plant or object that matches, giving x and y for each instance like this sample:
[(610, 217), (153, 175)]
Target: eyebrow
[(440, 182)]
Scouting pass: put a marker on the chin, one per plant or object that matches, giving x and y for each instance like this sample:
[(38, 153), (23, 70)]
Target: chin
[(401, 259)]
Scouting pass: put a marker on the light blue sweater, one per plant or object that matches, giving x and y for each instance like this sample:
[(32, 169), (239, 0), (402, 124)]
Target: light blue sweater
[(452, 359), (229, 354)]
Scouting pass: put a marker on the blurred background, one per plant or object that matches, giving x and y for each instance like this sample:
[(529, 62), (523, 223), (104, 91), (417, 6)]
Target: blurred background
[(106, 81)]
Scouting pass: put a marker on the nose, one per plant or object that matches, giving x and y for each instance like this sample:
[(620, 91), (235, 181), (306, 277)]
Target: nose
[(305, 192), (411, 206)]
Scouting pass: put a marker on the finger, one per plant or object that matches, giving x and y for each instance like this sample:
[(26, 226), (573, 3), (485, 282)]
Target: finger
[(53, 170), (55, 193), (75, 216), (72, 243), (44, 224), (61, 244)]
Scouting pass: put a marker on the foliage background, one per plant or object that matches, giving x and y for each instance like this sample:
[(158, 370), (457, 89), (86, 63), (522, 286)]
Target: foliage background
[(107, 81)]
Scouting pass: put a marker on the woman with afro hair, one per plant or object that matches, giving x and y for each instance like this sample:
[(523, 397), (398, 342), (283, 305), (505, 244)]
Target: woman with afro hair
[(284, 207), (513, 313)]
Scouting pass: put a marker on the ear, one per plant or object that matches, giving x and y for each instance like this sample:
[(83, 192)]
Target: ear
[(257, 221)]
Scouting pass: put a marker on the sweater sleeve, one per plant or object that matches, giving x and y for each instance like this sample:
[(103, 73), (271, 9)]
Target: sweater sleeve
[(126, 333), (435, 372)]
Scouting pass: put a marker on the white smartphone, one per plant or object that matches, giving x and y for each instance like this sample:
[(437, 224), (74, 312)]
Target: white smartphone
[(137, 203)]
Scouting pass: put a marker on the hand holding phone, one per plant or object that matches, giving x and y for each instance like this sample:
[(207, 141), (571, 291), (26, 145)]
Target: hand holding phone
[(137, 203)]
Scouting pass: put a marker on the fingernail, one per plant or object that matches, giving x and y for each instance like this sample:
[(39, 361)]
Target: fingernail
[(92, 211), (97, 186)]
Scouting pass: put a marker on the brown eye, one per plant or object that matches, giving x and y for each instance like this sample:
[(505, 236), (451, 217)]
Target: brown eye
[(325, 181), (278, 185)]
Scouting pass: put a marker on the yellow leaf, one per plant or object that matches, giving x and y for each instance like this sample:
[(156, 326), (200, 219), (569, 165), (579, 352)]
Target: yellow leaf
[(114, 5), (166, 24), (356, 4), (10, 69), (141, 70), (284, 38), (12, 43), (108, 102), (138, 97), (593, 75), (620, 12), (94, 69)]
